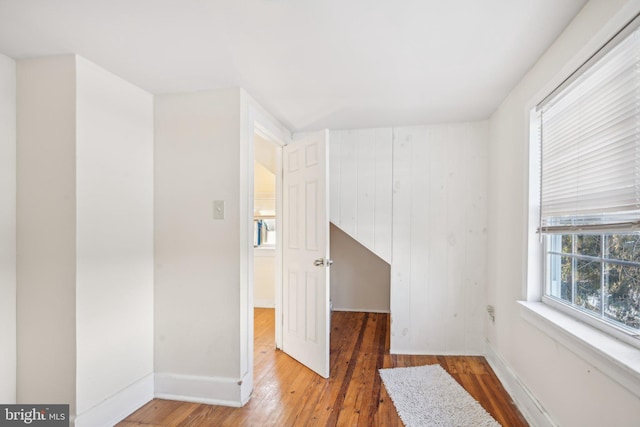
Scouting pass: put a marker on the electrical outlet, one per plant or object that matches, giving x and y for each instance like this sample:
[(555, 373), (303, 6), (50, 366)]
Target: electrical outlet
[(218, 209)]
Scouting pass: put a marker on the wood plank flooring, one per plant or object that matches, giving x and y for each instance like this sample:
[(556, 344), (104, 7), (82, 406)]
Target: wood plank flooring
[(288, 394)]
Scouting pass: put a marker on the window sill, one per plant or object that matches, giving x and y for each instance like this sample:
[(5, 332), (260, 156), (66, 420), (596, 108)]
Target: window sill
[(614, 358)]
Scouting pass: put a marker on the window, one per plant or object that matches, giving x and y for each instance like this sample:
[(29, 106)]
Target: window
[(589, 136), (597, 274)]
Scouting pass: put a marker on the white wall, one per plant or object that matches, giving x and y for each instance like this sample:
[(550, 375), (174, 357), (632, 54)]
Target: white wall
[(571, 391), (264, 201), (7, 230), (197, 259), (85, 240), (361, 180), (264, 259), (264, 152), (114, 242), (438, 285), (46, 231), (264, 278)]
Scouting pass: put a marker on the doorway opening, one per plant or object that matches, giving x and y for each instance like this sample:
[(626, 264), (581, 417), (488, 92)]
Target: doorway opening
[(266, 233), (300, 235), (267, 252)]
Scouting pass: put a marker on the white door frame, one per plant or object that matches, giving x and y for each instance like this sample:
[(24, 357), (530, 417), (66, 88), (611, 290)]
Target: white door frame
[(253, 119)]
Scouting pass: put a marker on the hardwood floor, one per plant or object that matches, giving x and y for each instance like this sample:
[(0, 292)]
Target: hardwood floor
[(288, 394)]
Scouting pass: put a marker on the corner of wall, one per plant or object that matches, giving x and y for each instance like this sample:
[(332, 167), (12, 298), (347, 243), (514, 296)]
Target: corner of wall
[(45, 227), (524, 399), (200, 389), (117, 407), (8, 357)]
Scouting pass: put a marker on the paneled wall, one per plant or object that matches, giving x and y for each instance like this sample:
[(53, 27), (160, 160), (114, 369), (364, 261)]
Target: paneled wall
[(416, 197), (439, 239), (360, 173)]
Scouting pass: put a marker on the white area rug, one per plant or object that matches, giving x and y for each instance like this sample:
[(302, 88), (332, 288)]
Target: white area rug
[(426, 396)]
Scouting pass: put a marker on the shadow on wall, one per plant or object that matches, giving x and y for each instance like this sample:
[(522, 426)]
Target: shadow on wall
[(360, 280)]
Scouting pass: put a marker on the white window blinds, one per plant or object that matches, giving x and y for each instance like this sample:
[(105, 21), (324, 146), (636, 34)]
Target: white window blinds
[(589, 130)]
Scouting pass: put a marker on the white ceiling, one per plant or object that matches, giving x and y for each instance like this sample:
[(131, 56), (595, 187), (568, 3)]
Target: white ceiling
[(312, 63)]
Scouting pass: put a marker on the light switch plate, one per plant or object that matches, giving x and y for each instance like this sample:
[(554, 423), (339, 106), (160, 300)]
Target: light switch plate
[(218, 209)]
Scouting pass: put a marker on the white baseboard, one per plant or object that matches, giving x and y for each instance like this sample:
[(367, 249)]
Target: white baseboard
[(529, 406), (264, 303), (117, 407), (191, 388), (246, 388)]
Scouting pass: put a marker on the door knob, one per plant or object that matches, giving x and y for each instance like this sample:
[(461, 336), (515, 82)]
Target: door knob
[(321, 261)]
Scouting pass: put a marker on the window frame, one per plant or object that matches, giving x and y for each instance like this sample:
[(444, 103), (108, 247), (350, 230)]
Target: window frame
[(617, 330), (538, 251), (615, 358)]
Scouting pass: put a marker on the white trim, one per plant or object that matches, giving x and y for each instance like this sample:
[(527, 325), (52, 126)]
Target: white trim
[(253, 119), (279, 247), (199, 389), (246, 388), (529, 406), (246, 236), (614, 358), (360, 310), (256, 120), (622, 334), (117, 407)]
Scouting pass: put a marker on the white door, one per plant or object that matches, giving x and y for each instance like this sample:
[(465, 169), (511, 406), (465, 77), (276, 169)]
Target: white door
[(305, 293)]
